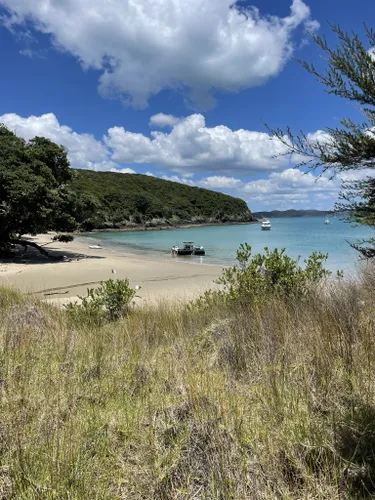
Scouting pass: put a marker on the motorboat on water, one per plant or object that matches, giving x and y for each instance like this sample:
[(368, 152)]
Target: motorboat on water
[(266, 225), (326, 221), (188, 248), (199, 250)]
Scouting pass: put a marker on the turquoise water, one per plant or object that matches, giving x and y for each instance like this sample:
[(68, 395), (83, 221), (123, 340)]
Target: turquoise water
[(300, 236)]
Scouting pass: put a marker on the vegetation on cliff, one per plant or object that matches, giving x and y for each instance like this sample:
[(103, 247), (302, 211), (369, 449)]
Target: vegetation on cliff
[(133, 199)]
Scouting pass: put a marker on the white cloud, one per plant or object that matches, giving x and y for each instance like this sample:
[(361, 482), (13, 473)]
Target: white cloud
[(180, 180), (141, 47), (290, 182), (357, 175), (123, 170), (283, 190), (213, 182), (220, 182), (190, 147), (83, 149), (162, 120)]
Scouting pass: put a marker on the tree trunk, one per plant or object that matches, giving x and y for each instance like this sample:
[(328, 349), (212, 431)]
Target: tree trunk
[(26, 243)]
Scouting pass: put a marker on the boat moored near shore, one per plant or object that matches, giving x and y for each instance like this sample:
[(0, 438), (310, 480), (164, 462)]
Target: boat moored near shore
[(188, 248)]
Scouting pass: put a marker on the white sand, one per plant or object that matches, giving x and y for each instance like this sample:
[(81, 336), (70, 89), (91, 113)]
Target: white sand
[(63, 281)]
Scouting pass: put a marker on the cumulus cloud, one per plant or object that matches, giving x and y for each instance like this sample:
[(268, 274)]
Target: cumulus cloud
[(190, 147), (221, 182), (290, 181), (83, 149), (180, 180), (189, 153), (291, 187), (141, 48), (187, 148), (213, 182), (280, 190), (123, 170), (162, 120)]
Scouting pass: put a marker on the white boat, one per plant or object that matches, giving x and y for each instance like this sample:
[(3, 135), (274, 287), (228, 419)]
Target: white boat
[(266, 225), (326, 221)]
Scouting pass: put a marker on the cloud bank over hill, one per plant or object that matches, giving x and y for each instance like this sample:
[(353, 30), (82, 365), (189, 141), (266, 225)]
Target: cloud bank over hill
[(190, 153)]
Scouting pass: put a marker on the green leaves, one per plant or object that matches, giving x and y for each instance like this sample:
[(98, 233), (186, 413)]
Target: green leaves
[(261, 276), (349, 74), (33, 179), (110, 301)]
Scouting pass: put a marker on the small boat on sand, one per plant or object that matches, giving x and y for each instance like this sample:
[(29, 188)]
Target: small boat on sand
[(188, 248), (95, 247)]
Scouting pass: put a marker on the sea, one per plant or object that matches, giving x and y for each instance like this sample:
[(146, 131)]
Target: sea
[(299, 236)]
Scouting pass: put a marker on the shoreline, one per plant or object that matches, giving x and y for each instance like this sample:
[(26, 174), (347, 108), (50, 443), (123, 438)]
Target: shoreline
[(144, 227), (63, 281)]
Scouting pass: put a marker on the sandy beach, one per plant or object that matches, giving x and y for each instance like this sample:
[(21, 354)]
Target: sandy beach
[(64, 280)]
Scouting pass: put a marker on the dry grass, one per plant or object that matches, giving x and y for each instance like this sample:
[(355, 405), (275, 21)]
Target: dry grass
[(270, 401)]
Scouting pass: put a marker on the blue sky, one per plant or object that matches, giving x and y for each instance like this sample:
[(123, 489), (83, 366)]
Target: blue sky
[(176, 89)]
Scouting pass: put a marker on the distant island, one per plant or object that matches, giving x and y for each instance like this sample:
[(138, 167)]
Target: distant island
[(136, 201), (276, 214)]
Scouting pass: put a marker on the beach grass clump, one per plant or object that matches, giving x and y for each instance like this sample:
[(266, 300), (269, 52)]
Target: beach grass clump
[(264, 399)]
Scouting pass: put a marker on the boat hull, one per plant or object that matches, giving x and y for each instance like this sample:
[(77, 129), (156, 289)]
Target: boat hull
[(180, 251), (188, 249)]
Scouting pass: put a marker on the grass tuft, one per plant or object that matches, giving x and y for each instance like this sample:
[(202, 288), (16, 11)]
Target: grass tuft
[(269, 400)]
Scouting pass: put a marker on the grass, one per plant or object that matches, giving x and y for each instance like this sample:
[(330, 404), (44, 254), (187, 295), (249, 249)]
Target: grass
[(276, 400)]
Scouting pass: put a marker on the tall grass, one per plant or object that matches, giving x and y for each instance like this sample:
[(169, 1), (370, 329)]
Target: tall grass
[(276, 400)]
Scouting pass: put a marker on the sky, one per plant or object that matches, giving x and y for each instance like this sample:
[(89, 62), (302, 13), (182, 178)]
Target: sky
[(177, 89)]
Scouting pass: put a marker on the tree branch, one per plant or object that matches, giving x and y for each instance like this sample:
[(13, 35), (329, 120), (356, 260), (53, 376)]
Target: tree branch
[(26, 243)]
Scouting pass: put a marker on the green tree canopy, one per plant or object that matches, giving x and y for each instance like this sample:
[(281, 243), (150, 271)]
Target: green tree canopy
[(34, 196), (350, 74)]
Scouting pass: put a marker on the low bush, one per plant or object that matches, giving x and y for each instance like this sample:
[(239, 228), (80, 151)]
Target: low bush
[(110, 301), (272, 273)]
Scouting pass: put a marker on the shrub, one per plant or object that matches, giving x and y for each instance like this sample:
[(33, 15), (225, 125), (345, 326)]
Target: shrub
[(63, 238), (270, 274), (111, 301)]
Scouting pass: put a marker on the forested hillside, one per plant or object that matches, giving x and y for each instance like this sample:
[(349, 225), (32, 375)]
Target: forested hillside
[(121, 200)]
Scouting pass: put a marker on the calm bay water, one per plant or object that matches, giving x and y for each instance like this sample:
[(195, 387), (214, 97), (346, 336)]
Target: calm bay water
[(300, 236)]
